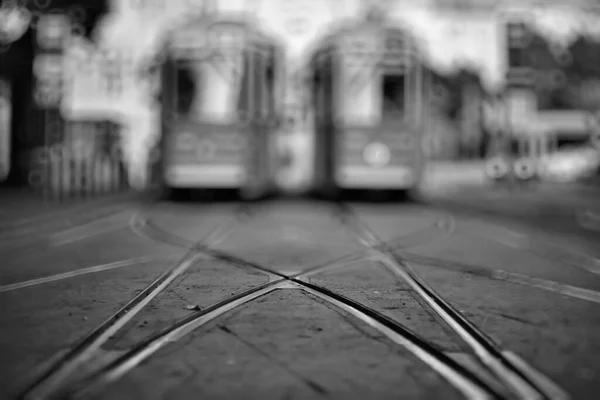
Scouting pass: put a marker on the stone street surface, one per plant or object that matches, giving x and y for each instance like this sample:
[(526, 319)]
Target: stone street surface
[(533, 291)]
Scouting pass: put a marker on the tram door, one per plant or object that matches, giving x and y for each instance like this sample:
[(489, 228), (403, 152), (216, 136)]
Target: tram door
[(219, 106)]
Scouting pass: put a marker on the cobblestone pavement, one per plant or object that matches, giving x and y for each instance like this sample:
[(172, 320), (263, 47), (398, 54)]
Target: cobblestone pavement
[(26, 217), (259, 314)]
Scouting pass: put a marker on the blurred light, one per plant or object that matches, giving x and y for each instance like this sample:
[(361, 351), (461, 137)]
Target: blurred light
[(14, 21), (496, 168), (572, 164), (525, 168), (377, 155)]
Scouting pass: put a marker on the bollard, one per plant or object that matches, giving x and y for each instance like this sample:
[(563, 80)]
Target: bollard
[(83, 165)]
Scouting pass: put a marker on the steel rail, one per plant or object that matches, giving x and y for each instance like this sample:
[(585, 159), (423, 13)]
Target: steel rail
[(454, 373), (520, 380), (62, 369)]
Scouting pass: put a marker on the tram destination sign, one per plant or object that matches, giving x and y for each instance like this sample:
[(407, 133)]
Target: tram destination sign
[(204, 39), (387, 50)]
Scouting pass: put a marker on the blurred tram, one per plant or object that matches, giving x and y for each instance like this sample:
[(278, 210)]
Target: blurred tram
[(219, 88), (368, 96)]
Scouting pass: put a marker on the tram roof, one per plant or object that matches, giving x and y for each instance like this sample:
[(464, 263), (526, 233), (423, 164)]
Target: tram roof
[(388, 31), (204, 22)]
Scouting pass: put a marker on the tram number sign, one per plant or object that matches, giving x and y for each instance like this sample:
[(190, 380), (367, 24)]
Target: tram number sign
[(205, 41), (361, 51), (189, 43), (226, 36)]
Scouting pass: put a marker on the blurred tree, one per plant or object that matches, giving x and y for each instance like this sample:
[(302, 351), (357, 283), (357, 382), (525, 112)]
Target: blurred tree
[(565, 77), (450, 101), (550, 78), (585, 53), (584, 73)]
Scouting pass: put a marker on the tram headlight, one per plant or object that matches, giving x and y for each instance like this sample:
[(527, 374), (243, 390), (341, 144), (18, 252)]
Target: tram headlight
[(377, 155), (525, 168), (497, 168)]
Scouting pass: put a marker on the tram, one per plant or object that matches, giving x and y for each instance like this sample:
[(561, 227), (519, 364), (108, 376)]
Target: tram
[(219, 89), (369, 91)]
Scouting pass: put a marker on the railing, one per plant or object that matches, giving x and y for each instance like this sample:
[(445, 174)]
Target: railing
[(87, 162)]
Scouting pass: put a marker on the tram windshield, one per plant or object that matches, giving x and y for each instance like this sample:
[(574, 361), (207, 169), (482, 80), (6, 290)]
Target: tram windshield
[(209, 89), (187, 88), (393, 91), (225, 89), (371, 92)]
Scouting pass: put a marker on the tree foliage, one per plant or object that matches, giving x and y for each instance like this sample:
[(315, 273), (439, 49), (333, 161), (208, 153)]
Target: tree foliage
[(16, 62), (585, 53), (563, 73), (17, 57)]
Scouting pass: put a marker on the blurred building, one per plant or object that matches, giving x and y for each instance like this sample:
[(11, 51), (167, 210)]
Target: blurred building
[(103, 80), (18, 49)]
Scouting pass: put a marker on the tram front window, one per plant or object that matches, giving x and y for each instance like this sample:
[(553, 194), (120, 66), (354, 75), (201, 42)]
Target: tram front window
[(393, 95), (209, 90), (186, 89)]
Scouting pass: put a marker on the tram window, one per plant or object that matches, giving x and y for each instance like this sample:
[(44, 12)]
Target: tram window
[(215, 101), (393, 93), (186, 88), (270, 79)]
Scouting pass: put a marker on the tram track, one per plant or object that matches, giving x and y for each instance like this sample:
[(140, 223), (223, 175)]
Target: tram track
[(56, 377), (523, 381), (465, 381), (63, 368), (55, 383), (443, 227), (458, 376), (505, 276), (520, 380)]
